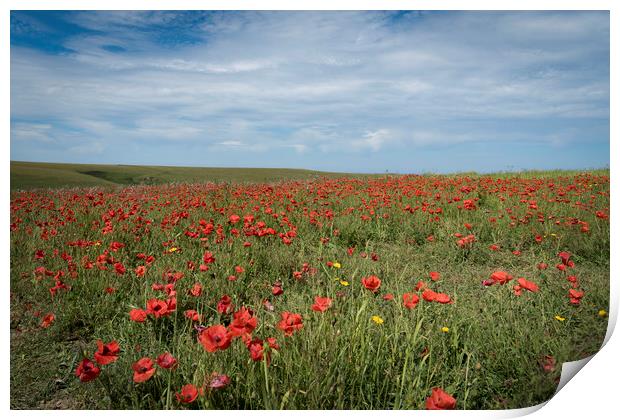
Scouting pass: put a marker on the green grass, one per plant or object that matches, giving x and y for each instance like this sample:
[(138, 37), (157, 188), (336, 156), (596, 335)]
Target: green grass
[(29, 175), (489, 359)]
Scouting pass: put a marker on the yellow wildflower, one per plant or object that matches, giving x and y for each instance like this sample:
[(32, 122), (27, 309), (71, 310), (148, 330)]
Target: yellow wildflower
[(337, 264), (560, 318), (344, 282), (602, 312), (445, 329), (377, 319)]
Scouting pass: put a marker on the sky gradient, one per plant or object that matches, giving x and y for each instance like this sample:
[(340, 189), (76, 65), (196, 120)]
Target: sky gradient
[(406, 92)]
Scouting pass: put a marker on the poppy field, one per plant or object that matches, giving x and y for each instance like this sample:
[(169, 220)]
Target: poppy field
[(394, 292)]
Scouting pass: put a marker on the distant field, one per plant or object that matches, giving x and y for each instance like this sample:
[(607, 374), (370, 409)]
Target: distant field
[(28, 175)]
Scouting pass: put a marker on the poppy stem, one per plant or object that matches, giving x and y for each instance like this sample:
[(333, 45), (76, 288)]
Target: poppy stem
[(168, 395), (267, 393)]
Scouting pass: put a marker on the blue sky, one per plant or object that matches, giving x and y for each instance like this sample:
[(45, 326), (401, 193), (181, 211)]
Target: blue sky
[(407, 92)]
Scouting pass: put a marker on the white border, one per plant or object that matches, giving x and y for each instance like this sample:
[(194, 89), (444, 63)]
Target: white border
[(592, 394)]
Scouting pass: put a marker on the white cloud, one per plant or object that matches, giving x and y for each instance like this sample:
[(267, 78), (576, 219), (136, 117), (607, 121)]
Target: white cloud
[(231, 143), (257, 81), (299, 148), (373, 140), (31, 132)]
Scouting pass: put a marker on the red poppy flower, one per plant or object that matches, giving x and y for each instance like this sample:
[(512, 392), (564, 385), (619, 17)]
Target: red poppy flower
[(388, 296), (208, 258), (548, 363), (575, 296), (371, 283), (442, 298), (137, 315), (218, 381), (488, 282), (601, 215), (243, 322), (87, 371), (561, 267), (119, 268), (48, 320), (428, 295), (196, 290), (410, 300), (501, 277), (106, 353), (494, 247), (268, 305), (166, 361), (321, 304), (440, 400), (215, 338), (276, 289), (224, 306), (188, 394), (435, 275), (256, 349), (565, 257), (115, 246), (157, 308), (542, 266), (466, 241), (528, 285), (169, 289), (143, 370), (290, 323), (273, 343), (573, 281), (192, 314)]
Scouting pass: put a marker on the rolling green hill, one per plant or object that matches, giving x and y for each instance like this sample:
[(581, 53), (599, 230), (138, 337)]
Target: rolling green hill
[(27, 175)]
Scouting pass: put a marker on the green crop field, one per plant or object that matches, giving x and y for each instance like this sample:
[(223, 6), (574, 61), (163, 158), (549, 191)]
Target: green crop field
[(29, 175)]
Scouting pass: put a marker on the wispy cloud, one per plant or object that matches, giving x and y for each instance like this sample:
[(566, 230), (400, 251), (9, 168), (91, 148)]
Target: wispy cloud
[(289, 87), (31, 132), (373, 140)]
